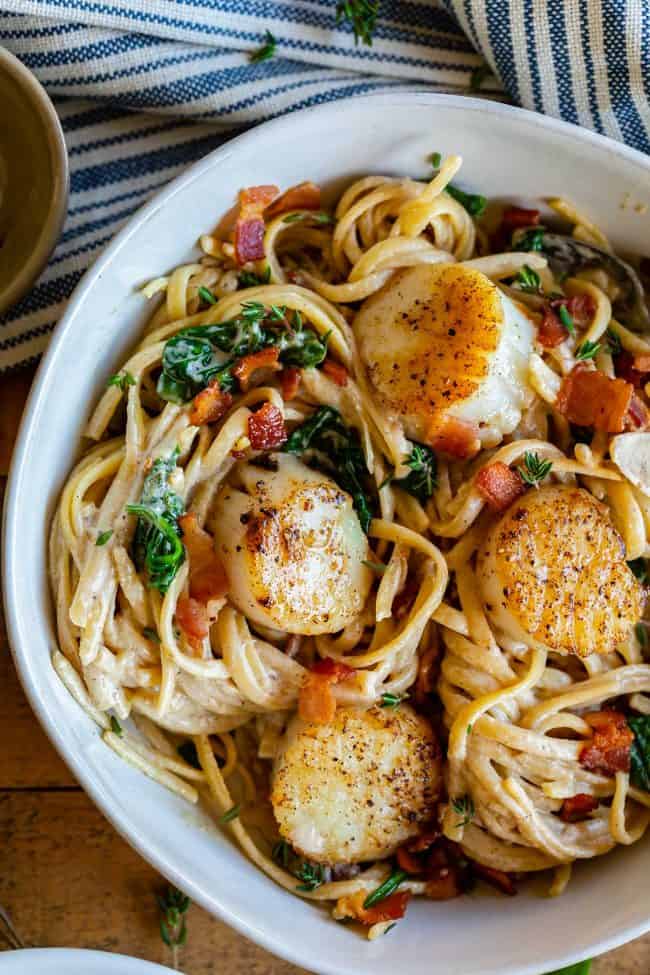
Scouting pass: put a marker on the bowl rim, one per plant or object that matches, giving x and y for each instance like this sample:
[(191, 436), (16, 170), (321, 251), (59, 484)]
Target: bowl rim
[(17, 631), (58, 207), (106, 961)]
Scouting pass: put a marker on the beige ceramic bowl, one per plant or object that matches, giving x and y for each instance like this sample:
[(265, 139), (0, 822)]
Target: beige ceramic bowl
[(33, 179)]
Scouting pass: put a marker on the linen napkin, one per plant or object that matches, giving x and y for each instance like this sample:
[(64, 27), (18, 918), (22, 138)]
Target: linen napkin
[(145, 87)]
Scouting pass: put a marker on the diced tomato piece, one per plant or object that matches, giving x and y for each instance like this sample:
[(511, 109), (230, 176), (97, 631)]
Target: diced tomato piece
[(210, 404), (390, 909), (290, 382), (266, 429), (334, 670), (249, 240), (336, 372), (208, 579), (638, 415), (264, 359), (516, 217), (497, 878), (578, 807), (455, 438), (551, 332), (608, 751), (589, 398), (304, 196), (499, 485), (316, 701), (192, 618), (582, 308)]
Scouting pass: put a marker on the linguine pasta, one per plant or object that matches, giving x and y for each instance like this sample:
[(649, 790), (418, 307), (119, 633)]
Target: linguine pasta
[(159, 623)]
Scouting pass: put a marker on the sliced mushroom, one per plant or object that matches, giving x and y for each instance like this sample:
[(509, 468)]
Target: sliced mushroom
[(631, 454), (567, 256)]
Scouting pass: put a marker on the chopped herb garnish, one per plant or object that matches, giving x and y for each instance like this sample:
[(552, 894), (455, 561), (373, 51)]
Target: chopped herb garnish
[(173, 908), (613, 342), (529, 280), (157, 545), (281, 853), (188, 752), (377, 567), (318, 216), (534, 469), (206, 295), (474, 203), (103, 537), (390, 927), (463, 806), (311, 876), (468, 730), (640, 751), (116, 727), (478, 76), (266, 51), (151, 634), (436, 159), (392, 700), (336, 448), (567, 320), (423, 477), (531, 240), (640, 569), (388, 887), (641, 633), (248, 279), (230, 814), (588, 350), (362, 17), (121, 380)]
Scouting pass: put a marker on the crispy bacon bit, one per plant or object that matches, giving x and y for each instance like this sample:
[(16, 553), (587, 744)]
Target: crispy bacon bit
[(304, 196), (266, 429), (499, 486), (497, 878), (582, 308), (192, 618), (638, 415), (264, 359), (589, 398), (578, 807), (210, 404), (316, 701), (290, 378), (336, 372), (455, 437), (608, 751), (516, 217), (551, 332), (249, 228), (208, 580), (389, 909)]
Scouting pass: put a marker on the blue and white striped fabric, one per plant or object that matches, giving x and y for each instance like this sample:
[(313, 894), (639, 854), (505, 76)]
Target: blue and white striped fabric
[(145, 87)]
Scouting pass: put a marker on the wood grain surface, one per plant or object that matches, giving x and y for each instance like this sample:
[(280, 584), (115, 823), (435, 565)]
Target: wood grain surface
[(68, 879)]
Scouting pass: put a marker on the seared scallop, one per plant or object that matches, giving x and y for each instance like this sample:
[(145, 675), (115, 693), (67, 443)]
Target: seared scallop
[(292, 547), (357, 788), (552, 573), (441, 342)]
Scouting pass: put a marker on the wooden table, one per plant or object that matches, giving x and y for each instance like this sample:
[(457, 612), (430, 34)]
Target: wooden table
[(67, 878)]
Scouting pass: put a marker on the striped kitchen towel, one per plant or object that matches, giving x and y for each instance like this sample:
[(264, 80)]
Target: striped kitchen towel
[(145, 87)]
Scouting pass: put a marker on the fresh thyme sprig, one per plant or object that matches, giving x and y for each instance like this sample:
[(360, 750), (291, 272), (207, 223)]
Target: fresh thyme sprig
[(392, 700), (173, 906), (266, 51), (529, 280), (311, 875), (463, 806), (388, 887), (588, 350), (567, 320), (362, 17), (534, 469), (248, 279)]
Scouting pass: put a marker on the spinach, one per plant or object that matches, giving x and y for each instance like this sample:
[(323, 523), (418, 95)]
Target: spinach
[(157, 545), (529, 240), (339, 452), (423, 476), (195, 356), (640, 752), (474, 203)]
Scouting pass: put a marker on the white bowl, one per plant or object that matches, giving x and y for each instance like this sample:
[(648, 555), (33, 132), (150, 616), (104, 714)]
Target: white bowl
[(74, 961), (508, 153)]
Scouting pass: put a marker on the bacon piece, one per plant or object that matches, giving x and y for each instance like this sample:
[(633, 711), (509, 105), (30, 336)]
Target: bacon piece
[(192, 618), (638, 415), (497, 878), (303, 196), (455, 437), (608, 751), (499, 485), (389, 909), (264, 359), (627, 370), (589, 398), (551, 332), (582, 308), (210, 404), (249, 228), (408, 862), (290, 382), (208, 579), (516, 217), (316, 701), (266, 428), (578, 807), (336, 372)]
